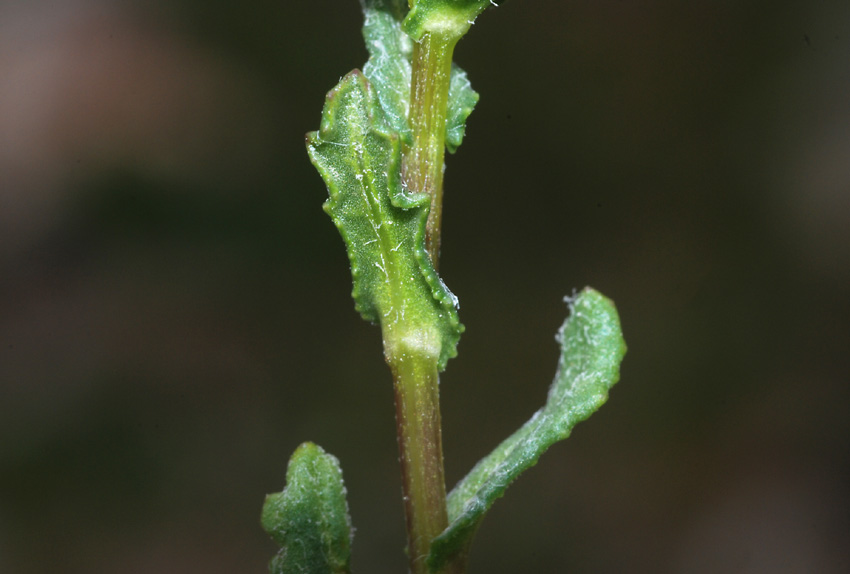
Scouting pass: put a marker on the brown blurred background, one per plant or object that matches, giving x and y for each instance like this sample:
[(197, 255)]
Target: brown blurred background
[(175, 314)]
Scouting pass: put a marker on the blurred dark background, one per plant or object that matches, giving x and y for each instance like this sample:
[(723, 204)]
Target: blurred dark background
[(175, 314)]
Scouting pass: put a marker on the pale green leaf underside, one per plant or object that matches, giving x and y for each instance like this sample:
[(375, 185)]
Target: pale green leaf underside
[(383, 227), (388, 68), (592, 348), (389, 71), (309, 519), (462, 100)]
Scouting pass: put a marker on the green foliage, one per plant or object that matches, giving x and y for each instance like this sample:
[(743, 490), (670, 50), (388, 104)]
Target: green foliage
[(448, 18), (309, 519), (592, 348), (365, 129), (382, 225), (388, 68), (462, 100), (389, 71), (357, 151)]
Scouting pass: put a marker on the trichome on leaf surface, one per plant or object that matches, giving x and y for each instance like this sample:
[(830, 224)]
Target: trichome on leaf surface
[(380, 149)]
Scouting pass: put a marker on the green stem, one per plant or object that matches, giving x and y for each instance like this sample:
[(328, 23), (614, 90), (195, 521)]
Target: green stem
[(420, 447), (410, 357), (413, 357), (414, 364), (422, 164)]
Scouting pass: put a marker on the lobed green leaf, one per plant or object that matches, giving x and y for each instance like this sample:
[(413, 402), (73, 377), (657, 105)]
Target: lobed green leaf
[(383, 226), (592, 348), (357, 151), (309, 519)]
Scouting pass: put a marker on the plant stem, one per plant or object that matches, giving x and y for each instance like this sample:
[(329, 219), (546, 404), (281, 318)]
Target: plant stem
[(420, 446), (422, 163), (412, 361)]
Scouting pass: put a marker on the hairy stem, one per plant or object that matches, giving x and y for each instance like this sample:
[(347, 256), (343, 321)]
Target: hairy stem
[(421, 453), (414, 366), (422, 164)]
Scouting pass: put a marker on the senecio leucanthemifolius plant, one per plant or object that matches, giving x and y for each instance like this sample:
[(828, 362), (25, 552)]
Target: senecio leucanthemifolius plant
[(380, 149)]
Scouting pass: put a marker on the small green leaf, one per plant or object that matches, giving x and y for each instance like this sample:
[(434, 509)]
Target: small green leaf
[(450, 18), (309, 519), (388, 68), (462, 100), (592, 348), (389, 71), (383, 226)]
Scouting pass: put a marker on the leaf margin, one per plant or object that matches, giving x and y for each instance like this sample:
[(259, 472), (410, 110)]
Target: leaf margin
[(309, 519), (475, 494)]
